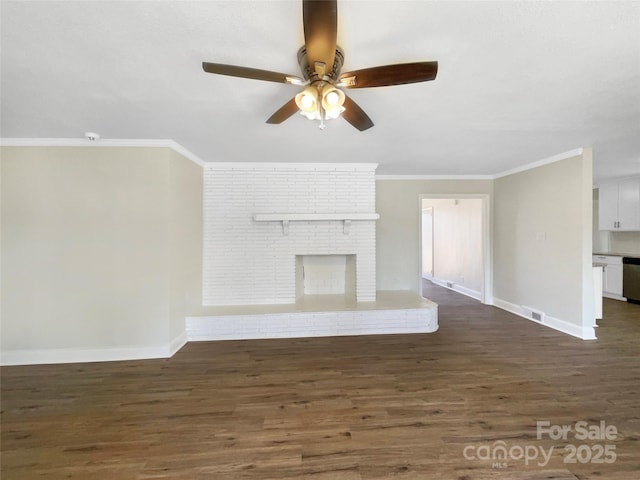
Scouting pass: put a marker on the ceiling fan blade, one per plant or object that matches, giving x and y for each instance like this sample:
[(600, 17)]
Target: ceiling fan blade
[(252, 73), (320, 19), (355, 115), (284, 112), (386, 75)]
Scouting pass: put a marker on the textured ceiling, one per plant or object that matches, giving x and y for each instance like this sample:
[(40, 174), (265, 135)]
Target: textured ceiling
[(517, 82)]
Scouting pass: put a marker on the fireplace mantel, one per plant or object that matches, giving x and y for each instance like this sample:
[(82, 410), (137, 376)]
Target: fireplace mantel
[(285, 218)]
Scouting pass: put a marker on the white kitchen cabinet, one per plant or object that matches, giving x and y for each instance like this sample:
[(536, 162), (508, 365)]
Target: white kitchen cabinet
[(612, 277), (608, 206), (629, 204), (597, 290), (619, 205), (612, 281)]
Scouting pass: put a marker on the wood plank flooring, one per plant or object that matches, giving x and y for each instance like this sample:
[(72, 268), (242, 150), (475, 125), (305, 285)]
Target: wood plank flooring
[(348, 408)]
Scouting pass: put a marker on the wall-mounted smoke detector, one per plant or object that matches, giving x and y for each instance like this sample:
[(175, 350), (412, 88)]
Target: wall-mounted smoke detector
[(91, 136)]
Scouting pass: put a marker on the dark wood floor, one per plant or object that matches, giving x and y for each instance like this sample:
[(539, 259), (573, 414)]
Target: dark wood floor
[(372, 407)]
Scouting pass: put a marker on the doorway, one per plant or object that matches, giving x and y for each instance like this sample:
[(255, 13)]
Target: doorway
[(455, 243)]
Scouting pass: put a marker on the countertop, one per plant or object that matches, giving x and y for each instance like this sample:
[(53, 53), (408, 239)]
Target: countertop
[(618, 254)]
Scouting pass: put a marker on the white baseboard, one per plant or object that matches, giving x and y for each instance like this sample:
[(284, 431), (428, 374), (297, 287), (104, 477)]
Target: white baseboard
[(613, 296), (457, 288), (177, 343), (228, 327), (86, 355), (582, 332)]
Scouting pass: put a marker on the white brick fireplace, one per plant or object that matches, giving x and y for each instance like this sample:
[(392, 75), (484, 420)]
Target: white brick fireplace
[(268, 226), (301, 237)]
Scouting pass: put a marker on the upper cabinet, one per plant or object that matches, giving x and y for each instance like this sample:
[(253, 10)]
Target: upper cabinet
[(619, 205)]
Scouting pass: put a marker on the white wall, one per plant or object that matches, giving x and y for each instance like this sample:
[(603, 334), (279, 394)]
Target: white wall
[(398, 229), (248, 262), (625, 242), (100, 252), (457, 242), (185, 242), (543, 240)]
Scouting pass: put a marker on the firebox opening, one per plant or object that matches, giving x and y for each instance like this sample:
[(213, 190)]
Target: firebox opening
[(326, 275)]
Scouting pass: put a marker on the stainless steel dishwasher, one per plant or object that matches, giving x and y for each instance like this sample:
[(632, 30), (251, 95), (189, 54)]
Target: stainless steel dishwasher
[(631, 279)]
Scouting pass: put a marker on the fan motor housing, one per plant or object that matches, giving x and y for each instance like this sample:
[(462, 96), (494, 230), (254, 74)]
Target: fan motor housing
[(310, 74)]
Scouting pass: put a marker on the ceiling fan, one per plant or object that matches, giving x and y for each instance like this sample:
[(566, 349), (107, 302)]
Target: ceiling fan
[(321, 61)]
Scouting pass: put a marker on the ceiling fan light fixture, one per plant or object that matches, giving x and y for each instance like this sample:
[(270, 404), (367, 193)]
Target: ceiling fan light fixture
[(320, 60)]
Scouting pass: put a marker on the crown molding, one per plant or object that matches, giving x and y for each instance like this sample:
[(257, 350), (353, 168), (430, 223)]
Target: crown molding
[(176, 147), (265, 166), (539, 163), (434, 177), (107, 142), (529, 166)]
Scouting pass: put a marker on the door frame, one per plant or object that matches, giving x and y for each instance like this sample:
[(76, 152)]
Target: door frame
[(486, 291), (422, 240)]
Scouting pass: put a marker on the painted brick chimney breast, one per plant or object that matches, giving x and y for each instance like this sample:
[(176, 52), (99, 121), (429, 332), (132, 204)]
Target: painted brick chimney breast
[(249, 262)]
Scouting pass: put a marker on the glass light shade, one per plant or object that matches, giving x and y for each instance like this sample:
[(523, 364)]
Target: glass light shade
[(307, 100), (311, 115), (334, 112), (332, 98)]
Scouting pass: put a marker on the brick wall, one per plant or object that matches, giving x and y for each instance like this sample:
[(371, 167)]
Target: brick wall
[(250, 262)]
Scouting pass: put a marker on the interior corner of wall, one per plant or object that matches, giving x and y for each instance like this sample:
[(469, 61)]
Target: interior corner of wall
[(178, 342)]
